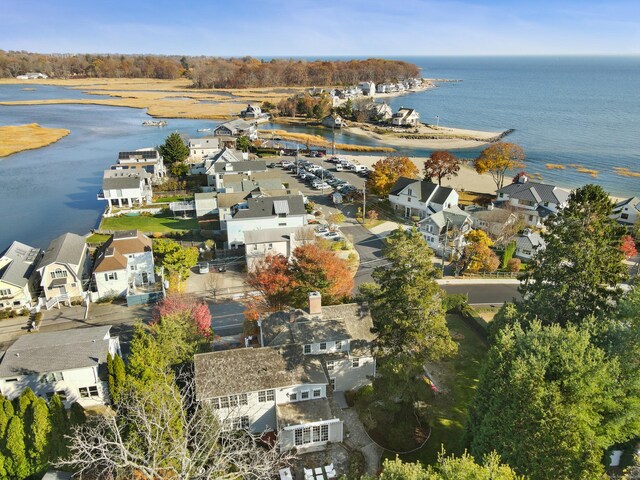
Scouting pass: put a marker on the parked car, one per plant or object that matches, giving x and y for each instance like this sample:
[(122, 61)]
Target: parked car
[(271, 165), (334, 160), (321, 185), (339, 168), (314, 168), (285, 163), (322, 230), (203, 267), (332, 235)]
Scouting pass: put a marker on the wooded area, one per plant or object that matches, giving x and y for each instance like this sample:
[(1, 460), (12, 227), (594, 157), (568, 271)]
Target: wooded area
[(208, 72)]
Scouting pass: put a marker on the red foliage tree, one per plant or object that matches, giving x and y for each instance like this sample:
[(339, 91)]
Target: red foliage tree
[(187, 306), (272, 278), (628, 247), (441, 164)]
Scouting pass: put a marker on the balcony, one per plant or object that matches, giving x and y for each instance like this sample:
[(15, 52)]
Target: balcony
[(100, 195)]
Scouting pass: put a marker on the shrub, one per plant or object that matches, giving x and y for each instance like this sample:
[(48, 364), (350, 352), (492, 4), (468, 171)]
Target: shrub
[(507, 255), (454, 302), (514, 265), (415, 218), (310, 206), (24, 312), (372, 215), (37, 319), (340, 245)]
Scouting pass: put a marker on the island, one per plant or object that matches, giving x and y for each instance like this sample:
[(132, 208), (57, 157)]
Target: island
[(17, 138)]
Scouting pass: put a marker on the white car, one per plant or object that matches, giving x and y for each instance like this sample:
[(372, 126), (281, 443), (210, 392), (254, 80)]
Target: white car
[(314, 168), (203, 267), (321, 185), (339, 168), (285, 163)]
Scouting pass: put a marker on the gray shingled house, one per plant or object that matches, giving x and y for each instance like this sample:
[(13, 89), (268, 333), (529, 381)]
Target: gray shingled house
[(17, 287)]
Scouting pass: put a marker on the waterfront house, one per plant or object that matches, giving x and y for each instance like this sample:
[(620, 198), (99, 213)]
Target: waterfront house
[(494, 221), (148, 160), (70, 364), (444, 231), (237, 128), (406, 117), (627, 212), (124, 262), (367, 88), (202, 147), (252, 111), (527, 244), (64, 271), (274, 241), (227, 162), (333, 121), (31, 76), (410, 197), (379, 112), (532, 201), (17, 264), (263, 212), (126, 188)]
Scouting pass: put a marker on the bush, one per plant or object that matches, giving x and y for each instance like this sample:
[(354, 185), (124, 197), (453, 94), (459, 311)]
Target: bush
[(310, 206), (37, 319), (24, 312), (454, 302), (372, 215), (514, 265), (415, 218), (340, 245)]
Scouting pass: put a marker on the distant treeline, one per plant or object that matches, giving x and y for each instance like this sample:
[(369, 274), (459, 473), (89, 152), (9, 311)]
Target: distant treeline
[(208, 72)]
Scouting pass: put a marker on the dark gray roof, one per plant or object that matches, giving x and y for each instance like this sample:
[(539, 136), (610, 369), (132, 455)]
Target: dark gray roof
[(56, 351), (237, 124), (120, 179), (240, 166), (441, 194), (400, 185), (264, 206), (252, 369), (633, 201), (426, 189), (536, 192), (456, 216), (529, 241), (269, 235), (23, 259), (67, 248)]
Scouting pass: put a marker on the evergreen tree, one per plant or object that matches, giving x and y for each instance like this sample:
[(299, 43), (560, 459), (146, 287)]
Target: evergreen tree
[(578, 273), (16, 464), (545, 402), (119, 376), (76, 415), (37, 429), (23, 401), (173, 150), (59, 428)]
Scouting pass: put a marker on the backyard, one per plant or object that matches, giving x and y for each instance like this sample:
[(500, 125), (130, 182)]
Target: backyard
[(456, 380), (161, 223)]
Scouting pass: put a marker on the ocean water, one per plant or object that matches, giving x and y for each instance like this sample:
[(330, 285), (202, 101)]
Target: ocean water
[(565, 110)]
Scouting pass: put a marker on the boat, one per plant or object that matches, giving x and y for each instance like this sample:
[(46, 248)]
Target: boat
[(154, 123), (204, 129)]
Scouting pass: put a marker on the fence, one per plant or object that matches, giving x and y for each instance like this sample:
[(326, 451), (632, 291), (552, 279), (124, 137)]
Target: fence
[(492, 275)]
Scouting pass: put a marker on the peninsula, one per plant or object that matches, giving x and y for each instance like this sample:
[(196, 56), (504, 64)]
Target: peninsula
[(17, 138)]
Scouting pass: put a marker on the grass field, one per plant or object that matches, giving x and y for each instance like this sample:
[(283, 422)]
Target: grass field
[(157, 223), (97, 238), (14, 139)]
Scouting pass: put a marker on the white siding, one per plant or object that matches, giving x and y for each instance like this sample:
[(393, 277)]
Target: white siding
[(236, 227)]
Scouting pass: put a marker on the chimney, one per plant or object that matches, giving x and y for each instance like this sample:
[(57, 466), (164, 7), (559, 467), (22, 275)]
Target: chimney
[(315, 303), (292, 315)]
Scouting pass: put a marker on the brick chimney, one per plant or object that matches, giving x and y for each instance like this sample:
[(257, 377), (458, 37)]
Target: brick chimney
[(315, 303)]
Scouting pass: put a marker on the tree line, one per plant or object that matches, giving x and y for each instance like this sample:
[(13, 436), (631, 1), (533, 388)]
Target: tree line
[(208, 72)]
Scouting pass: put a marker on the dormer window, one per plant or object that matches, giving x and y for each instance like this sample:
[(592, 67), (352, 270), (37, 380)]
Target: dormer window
[(339, 345), (59, 273), (323, 345)]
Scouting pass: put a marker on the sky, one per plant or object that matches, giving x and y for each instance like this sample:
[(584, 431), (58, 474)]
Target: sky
[(322, 27)]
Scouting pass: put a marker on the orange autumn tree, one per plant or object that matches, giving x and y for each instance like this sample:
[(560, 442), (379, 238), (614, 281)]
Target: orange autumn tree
[(387, 171), (497, 158), (316, 269), (481, 257), (272, 278)]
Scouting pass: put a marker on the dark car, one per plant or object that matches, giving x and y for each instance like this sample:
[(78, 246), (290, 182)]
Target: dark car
[(271, 165)]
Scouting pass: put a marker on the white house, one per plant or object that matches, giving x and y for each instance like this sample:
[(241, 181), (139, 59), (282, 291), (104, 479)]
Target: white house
[(527, 244), (333, 121), (627, 212), (237, 128), (265, 213), (148, 160), (69, 363), (252, 111), (444, 231), (126, 188), (124, 262), (405, 117), (64, 271), (17, 264), (411, 197), (379, 112), (274, 241), (31, 76), (203, 147), (227, 162), (533, 201), (368, 88)]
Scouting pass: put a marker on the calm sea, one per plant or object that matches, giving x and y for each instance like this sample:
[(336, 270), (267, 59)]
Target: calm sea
[(565, 110)]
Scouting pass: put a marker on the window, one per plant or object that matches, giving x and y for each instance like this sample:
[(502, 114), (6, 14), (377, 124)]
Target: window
[(270, 246), (11, 380), (409, 199), (282, 224), (59, 273), (238, 423), (304, 395), (339, 345), (355, 362), (215, 403), (526, 252), (243, 399), (255, 247), (266, 396), (307, 349), (293, 397), (224, 402), (62, 394), (51, 377), (330, 365), (332, 383), (88, 392), (624, 216), (5, 292), (134, 267), (110, 276), (323, 345), (502, 195), (317, 392), (298, 436)]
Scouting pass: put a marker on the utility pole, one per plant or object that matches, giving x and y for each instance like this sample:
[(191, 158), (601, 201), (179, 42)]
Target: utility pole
[(364, 203), (444, 244)]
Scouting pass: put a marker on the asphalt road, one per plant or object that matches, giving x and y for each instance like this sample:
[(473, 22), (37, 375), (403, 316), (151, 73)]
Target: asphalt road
[(486, 293)]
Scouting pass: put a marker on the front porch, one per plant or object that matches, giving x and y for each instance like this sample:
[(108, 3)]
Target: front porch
[(308, 425)]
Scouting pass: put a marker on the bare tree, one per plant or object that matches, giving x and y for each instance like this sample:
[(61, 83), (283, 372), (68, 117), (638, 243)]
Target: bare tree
[(175, 437)]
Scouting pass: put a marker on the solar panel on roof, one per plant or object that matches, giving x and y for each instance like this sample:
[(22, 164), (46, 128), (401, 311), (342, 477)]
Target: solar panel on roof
[(145, 154)]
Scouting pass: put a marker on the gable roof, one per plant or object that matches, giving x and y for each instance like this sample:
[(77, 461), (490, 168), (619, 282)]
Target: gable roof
[(265, 206), (425, 188), (110, 260), (271, 235), (22, 260), (633, 202), (239, 166), (245, 370), (121, 179), (400, 185), (531, 240), (56, 351), (456, 216), (237, 124), (535, 192), (111, 256), (67, 248)]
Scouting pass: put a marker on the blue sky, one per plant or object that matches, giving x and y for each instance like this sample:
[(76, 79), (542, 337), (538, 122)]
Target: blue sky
[(322, 27)]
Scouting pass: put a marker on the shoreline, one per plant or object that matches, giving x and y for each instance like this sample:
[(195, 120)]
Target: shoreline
[(20, 138)]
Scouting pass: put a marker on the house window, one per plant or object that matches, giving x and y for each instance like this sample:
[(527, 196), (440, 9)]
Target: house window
[(255, 247), (110, 276), (62, 394), (11, 380), (339, 345), (266, 396), (304, 395), (298, 436), (243, 399), (215, 403), (317, 392), (239, 423), (59, 273), (270, 246), (324, 433), (323, 345), (88, 392), (332, 383), (526, 252), (224, 402), (134, 267), (52, 377), (282, 224), (355, 362), (330, 365), (531, 218), (624, 216), (409, 199), (307, 349), (293, 397), (501, 195), (5, 292)]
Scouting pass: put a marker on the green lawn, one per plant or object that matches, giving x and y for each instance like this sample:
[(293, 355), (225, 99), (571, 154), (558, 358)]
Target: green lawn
[(459, 379), (157, 223), (97, 238), (173, 198)]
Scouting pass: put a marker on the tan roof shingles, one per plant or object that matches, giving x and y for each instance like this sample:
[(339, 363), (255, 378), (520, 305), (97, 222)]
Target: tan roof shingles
[(110, 260), (252, 369)]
